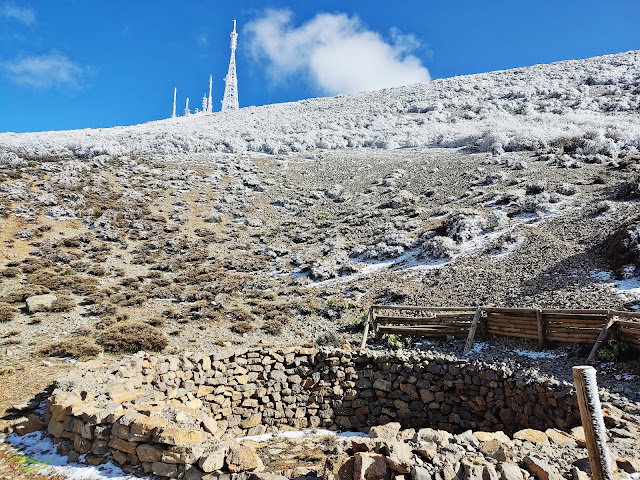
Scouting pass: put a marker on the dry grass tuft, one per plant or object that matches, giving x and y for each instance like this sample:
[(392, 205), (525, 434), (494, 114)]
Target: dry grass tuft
[(242, 327), (64, 303), (20, 294), (132, 336), (7, 312), (10, 272), (74, 347)]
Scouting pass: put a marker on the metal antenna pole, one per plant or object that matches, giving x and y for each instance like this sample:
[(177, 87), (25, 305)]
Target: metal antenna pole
[(210, 102), (175, 90)]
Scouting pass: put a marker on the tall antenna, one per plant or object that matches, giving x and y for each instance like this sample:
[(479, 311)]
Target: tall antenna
[(230, 99), (175, 90), (210, 102)]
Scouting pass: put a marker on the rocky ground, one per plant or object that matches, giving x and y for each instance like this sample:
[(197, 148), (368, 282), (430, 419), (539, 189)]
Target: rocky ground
[(208, 251)]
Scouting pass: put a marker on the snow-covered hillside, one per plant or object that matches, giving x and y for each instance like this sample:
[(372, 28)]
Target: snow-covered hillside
[(584, 108)]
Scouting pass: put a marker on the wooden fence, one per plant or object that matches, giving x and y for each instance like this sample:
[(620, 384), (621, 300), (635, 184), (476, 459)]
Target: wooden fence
[(560, 325)]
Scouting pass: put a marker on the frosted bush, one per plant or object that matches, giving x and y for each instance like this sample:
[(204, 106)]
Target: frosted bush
[(515, 164), (497, 218), (389, 246), (567, 189), (439, 248), (461, 227), (11, 160), (495, 178), (536, 204)]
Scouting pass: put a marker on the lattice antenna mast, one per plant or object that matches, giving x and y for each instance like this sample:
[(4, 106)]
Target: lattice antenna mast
[(230, 99)]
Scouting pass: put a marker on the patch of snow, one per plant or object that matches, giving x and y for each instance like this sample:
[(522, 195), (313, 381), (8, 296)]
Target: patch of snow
[(536, 355), (40, 446), (627, 288), (478, 347), (306, 433)]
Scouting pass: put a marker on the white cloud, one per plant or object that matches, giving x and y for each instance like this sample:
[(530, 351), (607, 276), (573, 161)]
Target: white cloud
[(336, 52), (45, 71), (24, 15)]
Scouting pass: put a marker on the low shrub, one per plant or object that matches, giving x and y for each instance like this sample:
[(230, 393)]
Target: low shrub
[(10, 272), (132, 336), (63, 303), (614, 351), (272, 328), (7, 312), (74, 347), (20, 294), (242, 327)]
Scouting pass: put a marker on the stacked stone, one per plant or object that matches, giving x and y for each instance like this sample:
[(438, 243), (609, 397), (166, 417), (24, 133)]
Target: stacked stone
[(180, 414), (427, 454)]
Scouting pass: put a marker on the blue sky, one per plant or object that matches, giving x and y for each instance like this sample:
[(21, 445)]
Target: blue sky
[(85, 63)]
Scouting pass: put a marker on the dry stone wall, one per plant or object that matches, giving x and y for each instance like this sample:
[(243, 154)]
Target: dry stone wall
[(172, 414)]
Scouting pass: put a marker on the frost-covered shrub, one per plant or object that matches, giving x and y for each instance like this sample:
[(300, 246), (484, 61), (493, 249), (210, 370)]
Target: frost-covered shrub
[(536, 204), (555, 198), (11, 160), (389, 246), (392, 179), (567, 189), (495, 178), (439, 248), (534, 188), (515, 164), (497, 218), (464, 226)]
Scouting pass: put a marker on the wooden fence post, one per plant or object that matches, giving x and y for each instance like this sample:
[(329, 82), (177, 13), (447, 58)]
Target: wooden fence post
[(540, 329), (592, 422), (472, 331), (366, 329), (604, 333)]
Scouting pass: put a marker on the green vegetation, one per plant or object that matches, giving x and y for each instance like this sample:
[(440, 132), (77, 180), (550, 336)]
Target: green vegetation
[(613, 351)]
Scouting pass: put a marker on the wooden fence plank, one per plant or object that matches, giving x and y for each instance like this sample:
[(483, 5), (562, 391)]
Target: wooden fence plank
[(425, 309), (472, 331), (601, 338), (618, 313), (530, 311), (366, 329), (628, 324), (540, 329)]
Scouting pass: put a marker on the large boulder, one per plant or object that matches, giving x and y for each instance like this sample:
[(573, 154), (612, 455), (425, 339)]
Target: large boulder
[(40, 303)]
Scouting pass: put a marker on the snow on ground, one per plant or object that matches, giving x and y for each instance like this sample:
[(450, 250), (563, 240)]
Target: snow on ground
[(43, 449), (307, 433), (627, 288), (536, 355), (586, 107), (480, 346)]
